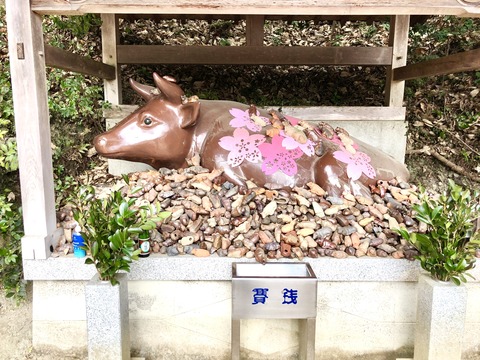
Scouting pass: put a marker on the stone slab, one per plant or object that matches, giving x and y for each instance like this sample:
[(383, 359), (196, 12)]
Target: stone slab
[(189, 267), (441, 313), (379, 134), (108, 327), (59, 301)]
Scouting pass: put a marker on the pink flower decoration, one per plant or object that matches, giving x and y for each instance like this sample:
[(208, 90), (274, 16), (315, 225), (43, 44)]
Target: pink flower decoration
[(357, 164), (279, 158), (242, 146), (290, 143), (241, 118)]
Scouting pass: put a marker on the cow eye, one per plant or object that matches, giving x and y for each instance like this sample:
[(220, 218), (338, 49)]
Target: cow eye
[(147, 121)]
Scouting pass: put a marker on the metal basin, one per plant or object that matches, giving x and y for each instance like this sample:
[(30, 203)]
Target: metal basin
[(273, 290)]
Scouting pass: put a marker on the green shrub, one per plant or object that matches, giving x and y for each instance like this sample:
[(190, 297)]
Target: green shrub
[(11, 232), (447, 249), (78, 25), (108, 228)]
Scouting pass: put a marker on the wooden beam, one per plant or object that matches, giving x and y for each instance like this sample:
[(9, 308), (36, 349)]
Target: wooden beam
[(256, 7), (464, 61), (29, 87), (398, 40), (253, 55), (61, 59), (112, 88), (289, 18)]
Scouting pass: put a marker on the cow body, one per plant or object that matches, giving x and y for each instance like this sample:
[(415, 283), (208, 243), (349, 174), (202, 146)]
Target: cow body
[(169, 129)]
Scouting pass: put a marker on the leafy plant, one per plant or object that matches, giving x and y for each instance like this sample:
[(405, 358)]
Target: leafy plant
[(447, 248), (109, 226), (11, 232), (79, 25), (8, 154)]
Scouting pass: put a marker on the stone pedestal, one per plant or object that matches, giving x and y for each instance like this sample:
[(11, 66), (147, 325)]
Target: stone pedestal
[(107, 319), (441, 310)]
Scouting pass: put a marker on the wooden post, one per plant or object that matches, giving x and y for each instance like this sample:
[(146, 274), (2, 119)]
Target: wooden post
[(110, 40), (398, 40), (27, 67), (255, 31)]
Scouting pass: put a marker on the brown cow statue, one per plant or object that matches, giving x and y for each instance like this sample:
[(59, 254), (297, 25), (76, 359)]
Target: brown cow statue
[(245, 142)]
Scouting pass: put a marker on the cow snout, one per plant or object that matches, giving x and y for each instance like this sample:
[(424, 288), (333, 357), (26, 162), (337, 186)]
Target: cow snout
[(101, 144)]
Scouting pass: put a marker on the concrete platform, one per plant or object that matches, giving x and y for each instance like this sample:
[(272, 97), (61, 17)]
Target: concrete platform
[(180, 307)]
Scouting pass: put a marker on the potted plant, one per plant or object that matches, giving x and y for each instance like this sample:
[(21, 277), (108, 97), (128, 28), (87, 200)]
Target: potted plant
[(447, 253), (109, 227)]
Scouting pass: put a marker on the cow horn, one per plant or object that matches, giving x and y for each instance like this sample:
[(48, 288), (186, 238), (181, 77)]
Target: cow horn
[(145, 91), (168, 88)]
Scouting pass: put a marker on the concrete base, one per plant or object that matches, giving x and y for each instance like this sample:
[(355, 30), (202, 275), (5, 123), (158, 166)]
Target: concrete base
[(441, 312), (108, 328), (365, 310)]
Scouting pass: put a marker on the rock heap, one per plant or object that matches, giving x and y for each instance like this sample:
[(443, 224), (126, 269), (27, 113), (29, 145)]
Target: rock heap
[(212, 216)]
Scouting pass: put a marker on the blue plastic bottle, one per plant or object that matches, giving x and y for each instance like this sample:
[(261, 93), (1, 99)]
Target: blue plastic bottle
[(77, 241)]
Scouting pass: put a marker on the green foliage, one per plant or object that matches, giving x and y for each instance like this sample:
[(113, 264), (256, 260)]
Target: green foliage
[(78, 25), (11, 232), (447, 249), (8, 147), (8, 155), (109, 226), (467, 120), (72, 96), (450, 34), (66, 188), (75, 105), (75, 100)]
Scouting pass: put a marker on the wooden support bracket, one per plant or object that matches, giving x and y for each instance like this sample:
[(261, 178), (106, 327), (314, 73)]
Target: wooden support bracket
[(464, 61), (61, 59)]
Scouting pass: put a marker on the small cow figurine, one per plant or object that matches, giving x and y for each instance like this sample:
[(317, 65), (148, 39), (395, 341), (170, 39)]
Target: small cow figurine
[(246, 143)]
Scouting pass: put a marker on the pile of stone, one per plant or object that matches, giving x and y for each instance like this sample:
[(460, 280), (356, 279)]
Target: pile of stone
[(212, 216)]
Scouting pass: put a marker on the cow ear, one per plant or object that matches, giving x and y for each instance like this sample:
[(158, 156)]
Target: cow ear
[(189, 113), (145, 91), (168, 88)]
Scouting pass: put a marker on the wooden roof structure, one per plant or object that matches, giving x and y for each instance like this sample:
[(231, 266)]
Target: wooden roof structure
[(29, 57)]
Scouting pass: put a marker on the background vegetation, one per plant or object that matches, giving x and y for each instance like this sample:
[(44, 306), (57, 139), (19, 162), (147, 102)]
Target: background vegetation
[(443, 112)]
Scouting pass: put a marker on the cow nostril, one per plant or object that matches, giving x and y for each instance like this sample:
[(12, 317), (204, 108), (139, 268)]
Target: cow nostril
[(100, 143)]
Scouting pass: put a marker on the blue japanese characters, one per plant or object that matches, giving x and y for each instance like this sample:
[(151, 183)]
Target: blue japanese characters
[(260, 296)]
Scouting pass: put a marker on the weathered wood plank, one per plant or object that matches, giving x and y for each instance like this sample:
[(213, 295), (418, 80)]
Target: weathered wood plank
[(464, 61), (61, 59), (255, 7), (29, 86), (369, 19), (253, 55), (398, 40), (289, 18), (112, 88)]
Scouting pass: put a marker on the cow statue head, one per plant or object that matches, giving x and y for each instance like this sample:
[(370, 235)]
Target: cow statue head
[(158, 133)]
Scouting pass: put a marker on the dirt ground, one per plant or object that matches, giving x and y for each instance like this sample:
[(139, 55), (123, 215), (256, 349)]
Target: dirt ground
[(16, 332), (16, 328)]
